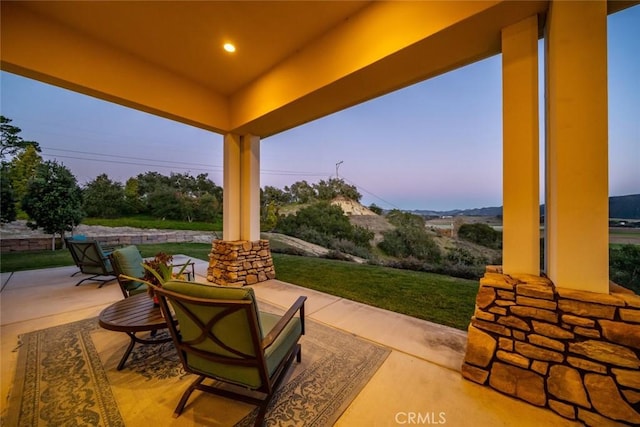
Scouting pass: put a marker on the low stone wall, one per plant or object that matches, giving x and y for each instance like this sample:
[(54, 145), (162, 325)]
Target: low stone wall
[(240, 262), (575, 352), (44, 243)]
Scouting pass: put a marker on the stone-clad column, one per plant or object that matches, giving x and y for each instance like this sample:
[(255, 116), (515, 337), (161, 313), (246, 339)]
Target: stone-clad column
[(520, 178), (241, 258), (577, 210)]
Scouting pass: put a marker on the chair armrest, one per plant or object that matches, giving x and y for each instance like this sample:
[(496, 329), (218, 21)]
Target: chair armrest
[(279, 327), (108, 249)]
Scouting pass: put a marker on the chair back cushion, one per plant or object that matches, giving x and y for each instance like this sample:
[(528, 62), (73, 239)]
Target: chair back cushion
[(128, 261), (89, 257), (221, 332)]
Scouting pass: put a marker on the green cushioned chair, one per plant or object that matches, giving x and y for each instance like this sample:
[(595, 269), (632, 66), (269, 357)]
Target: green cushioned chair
[(90, 258), (128, 261), (220, 334)]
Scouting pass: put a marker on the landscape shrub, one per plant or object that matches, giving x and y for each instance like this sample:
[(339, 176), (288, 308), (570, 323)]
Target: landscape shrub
[(407, 241), (473, 272), (326, 225), (349, 247), (624, 266), (462, 257), (481, 234), (288, 250), (337, 255)]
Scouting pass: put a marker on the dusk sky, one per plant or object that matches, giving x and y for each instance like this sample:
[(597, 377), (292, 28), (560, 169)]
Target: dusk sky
[(435, 145)]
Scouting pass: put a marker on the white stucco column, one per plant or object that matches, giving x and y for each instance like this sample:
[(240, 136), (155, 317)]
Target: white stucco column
[(577, 233), (231, 188), (250, 188), (520, 170)]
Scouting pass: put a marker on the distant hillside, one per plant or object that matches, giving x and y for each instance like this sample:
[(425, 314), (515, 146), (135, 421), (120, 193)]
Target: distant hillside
[(627, 207), (490, 211)]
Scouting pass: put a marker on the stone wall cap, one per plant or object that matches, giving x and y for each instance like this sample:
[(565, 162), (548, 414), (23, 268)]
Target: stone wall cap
[(587, 296), (532, 279)]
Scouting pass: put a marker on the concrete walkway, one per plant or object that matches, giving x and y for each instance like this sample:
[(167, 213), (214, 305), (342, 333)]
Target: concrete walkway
[(418, 384)]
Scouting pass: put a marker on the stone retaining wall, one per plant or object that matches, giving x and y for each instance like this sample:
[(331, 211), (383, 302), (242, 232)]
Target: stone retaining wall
[(44, 243), (575, 352), (240, 262)]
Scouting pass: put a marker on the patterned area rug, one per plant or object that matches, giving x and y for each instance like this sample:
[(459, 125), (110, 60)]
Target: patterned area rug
[(67, 375)]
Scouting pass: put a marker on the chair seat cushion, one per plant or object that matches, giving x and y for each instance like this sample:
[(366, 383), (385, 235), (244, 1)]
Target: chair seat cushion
[(233, 331), (287, 339)]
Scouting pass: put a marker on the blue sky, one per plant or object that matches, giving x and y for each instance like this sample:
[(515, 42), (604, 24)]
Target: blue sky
[(434, 145)]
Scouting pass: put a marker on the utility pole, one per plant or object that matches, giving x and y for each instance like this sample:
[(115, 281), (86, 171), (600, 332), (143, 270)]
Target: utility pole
[(337, 167)]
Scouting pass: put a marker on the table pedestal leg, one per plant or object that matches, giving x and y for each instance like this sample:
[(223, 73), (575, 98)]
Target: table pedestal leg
[(127, 351)]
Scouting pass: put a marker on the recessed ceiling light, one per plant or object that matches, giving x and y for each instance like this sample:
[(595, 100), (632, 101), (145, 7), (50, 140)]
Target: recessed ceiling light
[(229, 47)]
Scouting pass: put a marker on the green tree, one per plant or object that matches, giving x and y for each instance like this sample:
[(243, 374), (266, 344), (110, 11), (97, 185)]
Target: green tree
[(104, 198), (53, 199), (133, 200), (22, 168), (301, 192), (11, 142), (208, 208), (167, 203), (8, 211), (274, 195), (269, 217), (335, 187)]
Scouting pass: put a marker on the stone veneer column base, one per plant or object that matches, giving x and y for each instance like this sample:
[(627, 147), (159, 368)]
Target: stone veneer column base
[(575, 352), (240, 262)]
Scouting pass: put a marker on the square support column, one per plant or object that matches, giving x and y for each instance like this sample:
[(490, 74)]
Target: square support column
[(521, 176), (231, 200), (250, 188), (577, 210)]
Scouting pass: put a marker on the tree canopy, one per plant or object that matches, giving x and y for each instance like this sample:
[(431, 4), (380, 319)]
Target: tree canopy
[(104, 198), (7, 197), (53, 199), (11, 142)]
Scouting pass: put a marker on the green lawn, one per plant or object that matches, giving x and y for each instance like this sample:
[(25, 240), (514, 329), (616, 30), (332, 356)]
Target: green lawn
[(440, 299)]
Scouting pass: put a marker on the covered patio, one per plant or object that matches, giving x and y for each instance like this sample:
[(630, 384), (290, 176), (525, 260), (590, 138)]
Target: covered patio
[(420, 376)]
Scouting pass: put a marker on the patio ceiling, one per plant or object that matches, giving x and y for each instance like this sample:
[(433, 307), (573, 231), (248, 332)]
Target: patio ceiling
[(295, 61)]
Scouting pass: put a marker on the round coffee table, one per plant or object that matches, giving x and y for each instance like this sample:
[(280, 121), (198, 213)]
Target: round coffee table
[(132, 315)]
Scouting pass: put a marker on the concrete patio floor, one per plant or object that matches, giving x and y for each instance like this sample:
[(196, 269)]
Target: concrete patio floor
[(418, 384)]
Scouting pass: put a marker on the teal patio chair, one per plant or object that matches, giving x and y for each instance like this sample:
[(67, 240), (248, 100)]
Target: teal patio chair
[(221, 335), (128, 261), (90, 258)]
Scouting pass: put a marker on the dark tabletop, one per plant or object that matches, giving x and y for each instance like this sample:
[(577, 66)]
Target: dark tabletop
[(133, 314)]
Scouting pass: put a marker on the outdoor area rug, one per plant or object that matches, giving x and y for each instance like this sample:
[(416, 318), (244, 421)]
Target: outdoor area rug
[(67, 375)]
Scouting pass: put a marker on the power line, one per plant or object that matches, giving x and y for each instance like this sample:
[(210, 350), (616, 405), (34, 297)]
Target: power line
[(370, 193), (130, 157), (169, 164)]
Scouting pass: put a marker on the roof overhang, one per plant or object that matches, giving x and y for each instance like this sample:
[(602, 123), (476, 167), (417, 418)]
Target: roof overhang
[(296, 61)]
